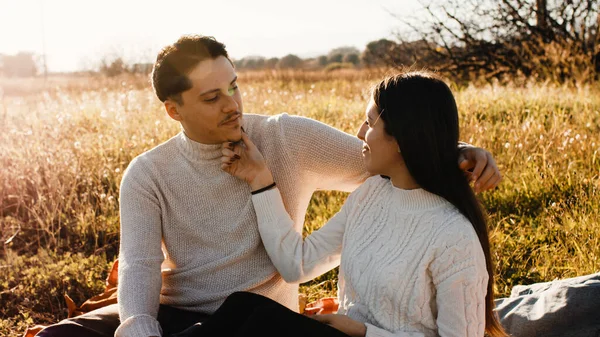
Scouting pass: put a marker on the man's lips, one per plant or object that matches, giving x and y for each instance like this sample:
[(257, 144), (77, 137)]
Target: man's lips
[(232, 119)]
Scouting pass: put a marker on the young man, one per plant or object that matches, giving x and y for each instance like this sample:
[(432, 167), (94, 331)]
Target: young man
[(189, 235)]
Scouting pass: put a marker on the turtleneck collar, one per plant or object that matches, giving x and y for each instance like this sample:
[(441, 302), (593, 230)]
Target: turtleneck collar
[(415, 200), (197, 151)]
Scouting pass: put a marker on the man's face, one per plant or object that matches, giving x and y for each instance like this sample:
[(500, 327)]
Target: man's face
[(211, 110)]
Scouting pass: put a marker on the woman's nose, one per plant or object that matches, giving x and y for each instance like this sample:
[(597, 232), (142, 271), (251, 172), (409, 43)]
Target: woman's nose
[(361, 132)]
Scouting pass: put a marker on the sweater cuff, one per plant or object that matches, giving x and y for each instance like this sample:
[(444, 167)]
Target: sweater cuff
[(268, 206), (373, 331), (139, 326), (462, 145)]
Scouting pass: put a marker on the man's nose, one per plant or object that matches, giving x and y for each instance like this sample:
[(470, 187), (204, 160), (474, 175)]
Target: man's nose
[(231, 105)]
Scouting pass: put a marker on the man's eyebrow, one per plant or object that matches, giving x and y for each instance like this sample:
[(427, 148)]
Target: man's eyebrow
[(216, 90)]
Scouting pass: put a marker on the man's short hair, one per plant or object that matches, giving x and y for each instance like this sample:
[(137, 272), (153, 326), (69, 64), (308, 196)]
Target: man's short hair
[(174, 62)]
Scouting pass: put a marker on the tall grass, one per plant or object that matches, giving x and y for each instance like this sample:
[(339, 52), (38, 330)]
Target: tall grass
[(66, 142)]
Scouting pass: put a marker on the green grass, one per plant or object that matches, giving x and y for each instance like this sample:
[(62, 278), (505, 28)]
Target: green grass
[(66, 143)]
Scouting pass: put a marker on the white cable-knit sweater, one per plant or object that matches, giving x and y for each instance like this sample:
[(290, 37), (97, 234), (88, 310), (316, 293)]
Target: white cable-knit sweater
[(177, 198), (411, 264)]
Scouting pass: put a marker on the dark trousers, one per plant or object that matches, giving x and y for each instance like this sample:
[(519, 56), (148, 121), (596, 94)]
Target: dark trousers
[(247, 314), (104, 321)]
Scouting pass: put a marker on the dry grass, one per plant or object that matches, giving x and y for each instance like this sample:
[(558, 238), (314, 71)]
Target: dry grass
[(66, 142)]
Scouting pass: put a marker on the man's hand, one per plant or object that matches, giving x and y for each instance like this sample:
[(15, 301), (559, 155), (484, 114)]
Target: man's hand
[(343, 323), (480, 167)]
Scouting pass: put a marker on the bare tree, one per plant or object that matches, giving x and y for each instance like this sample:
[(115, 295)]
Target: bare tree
[(547, 39)]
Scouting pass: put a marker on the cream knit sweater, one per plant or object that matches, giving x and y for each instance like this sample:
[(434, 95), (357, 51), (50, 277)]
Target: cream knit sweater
[(189, 235), (411, 264)]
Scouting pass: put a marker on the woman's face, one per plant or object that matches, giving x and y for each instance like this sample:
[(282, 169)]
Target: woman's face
[(380, 150)]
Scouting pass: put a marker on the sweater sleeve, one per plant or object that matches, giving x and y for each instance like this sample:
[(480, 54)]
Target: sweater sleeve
[(331, 158), (140, 255), (460, 277), (297, 260)]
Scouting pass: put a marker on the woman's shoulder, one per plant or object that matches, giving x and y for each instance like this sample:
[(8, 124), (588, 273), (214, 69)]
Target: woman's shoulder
[(455, 228), (456, 243), (371, 185)]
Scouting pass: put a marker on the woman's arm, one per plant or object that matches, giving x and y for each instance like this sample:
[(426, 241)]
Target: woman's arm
[(461, 303), (297, 260), (460, 278)]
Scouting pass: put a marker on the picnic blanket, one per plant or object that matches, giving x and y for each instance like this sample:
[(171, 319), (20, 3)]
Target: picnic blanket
[(561, 308)]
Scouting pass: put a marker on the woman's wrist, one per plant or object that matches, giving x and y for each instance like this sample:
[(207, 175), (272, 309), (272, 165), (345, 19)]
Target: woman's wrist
[(261, 180), (266, 188)]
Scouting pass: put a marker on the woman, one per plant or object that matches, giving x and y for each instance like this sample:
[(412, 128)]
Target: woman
[(415, 256)]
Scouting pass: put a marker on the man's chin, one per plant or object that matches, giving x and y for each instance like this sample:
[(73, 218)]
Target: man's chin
[(235, 137)]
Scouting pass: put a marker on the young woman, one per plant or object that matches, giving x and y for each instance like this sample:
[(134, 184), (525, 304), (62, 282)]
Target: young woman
[(415, 256)]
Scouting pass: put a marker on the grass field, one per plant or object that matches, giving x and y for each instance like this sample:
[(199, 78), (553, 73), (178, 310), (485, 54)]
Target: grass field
[(65, 144)]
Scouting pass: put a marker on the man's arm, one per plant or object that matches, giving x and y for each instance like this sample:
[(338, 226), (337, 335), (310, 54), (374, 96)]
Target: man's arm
[(140, 255), (331, 158), (334, 161), (480, 167)]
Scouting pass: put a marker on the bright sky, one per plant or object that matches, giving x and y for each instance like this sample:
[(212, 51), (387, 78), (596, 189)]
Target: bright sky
[(77, 33)]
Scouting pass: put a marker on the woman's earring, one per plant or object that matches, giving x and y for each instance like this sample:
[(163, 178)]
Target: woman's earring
[(399, 150)]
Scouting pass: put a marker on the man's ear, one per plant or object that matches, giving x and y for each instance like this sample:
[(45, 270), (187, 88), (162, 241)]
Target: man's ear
[(172, 110)]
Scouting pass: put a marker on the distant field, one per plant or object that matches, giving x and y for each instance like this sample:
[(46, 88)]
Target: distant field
[(65, 144)]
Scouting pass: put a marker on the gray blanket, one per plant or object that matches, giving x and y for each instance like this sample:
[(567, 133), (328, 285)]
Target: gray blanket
[(565, 308)]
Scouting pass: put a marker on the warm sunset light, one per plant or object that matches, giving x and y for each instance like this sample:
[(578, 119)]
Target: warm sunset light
[(76, 34), (226, 168)]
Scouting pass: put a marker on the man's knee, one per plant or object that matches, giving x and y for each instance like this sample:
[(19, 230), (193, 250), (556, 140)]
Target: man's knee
[(98, 323), (66, 328)]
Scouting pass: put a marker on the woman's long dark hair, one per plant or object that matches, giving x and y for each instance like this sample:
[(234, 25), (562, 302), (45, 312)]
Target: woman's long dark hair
[(419, 111)]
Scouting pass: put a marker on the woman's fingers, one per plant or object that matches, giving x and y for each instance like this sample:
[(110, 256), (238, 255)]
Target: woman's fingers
[(229, 155), (227, 152), (246, 140)]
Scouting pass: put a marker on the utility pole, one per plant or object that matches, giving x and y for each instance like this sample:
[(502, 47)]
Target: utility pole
[(43, 41)]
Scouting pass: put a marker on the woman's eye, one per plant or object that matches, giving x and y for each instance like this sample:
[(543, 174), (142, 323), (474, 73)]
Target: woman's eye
[(211, 99)]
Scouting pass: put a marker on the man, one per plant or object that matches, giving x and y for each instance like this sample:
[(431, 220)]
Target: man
[(189, 236)]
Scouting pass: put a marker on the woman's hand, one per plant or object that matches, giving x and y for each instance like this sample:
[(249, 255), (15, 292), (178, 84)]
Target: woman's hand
[(244, 161), (322, 306), (343, 323)]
